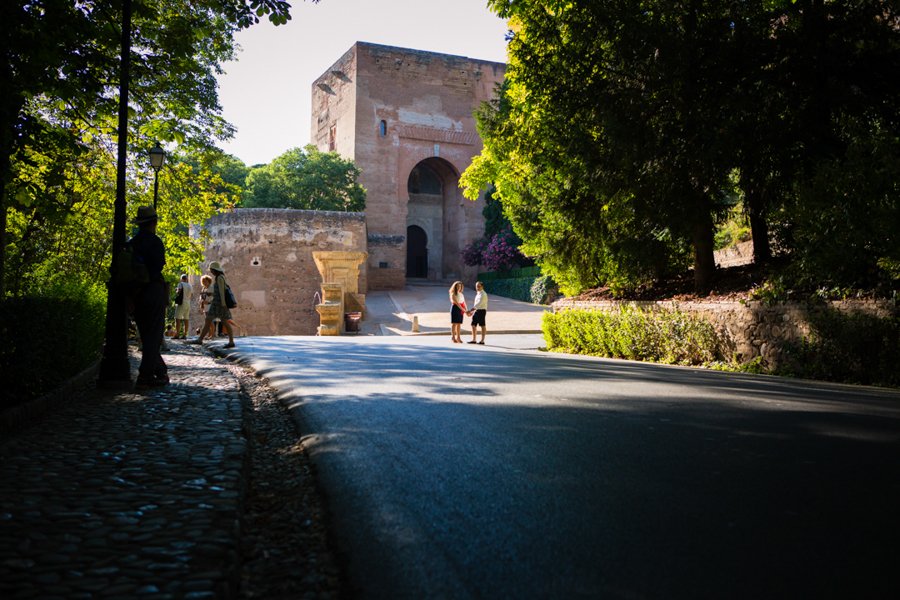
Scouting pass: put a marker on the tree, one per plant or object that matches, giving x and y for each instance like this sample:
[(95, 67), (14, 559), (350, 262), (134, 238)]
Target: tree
[(614, 140), (59, 64), (73, 243), (600, 143), (308, 180)]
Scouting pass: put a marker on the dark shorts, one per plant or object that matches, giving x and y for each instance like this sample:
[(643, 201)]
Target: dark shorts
[(455, 315), (478, 317)]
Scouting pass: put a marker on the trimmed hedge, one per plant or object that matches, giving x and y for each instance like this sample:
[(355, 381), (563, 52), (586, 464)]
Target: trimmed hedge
[(525, 272), (849, 349), (46, 340), (526, 289), (665, 336)]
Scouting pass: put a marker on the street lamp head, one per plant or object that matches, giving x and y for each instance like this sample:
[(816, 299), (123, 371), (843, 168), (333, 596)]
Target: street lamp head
[(157, 157)]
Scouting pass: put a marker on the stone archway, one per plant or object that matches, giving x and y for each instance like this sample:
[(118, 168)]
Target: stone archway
[(434, 206), (416, 252)]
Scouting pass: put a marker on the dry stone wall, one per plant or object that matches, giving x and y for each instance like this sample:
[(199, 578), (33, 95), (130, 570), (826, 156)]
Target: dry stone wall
[(267, 255), (752, 329)]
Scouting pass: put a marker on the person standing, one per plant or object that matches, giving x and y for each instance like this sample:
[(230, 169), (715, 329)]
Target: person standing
[(457, 310), (183, 310), (478, 312), (149, 304), (217, 308)]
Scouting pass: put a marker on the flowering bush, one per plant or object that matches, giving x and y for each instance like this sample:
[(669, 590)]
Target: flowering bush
[(473, 254), (500, 253)]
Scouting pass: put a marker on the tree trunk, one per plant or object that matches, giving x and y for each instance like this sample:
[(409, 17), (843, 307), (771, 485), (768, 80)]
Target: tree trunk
[(759, 227), (704, 261)]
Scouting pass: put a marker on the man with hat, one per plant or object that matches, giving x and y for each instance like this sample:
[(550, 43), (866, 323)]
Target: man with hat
[(149, 304)]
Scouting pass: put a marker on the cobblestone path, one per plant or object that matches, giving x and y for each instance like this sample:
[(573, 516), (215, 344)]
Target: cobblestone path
[(127, 495)]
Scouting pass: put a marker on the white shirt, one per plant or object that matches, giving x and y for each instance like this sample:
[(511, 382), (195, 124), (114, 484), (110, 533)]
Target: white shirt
[(480, 301), (188, 289)]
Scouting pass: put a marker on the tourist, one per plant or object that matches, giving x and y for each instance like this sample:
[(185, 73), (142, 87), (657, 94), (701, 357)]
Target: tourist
[(183, 310), (478, 312), (457, 310), (149, 305), (217, 307)]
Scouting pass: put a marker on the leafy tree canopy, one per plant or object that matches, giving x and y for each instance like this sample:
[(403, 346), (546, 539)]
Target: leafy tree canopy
[(622, 128), (60, 76), (306, 179)]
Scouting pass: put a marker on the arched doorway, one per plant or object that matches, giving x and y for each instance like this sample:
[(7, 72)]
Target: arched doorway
[(435, 205), (416, 252)]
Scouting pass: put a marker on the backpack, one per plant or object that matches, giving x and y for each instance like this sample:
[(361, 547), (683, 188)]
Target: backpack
[(230, 302), (179, 295), (129, 273)]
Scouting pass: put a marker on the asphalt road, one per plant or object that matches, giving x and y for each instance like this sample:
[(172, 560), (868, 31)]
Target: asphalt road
[(456, 471)]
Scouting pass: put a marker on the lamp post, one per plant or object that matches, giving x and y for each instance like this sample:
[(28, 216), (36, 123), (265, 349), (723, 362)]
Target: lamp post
[(157, 158), (115, 370)]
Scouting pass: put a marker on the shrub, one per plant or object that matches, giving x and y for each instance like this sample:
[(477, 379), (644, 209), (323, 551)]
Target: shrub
[(849, 349), (535, 290), (49, 338), (666, 336)]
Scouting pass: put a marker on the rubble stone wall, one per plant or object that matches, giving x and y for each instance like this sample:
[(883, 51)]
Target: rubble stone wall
[(267, 255)]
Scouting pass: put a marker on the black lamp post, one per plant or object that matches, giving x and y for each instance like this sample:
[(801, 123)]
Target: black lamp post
[(157, 158), (115, 370)]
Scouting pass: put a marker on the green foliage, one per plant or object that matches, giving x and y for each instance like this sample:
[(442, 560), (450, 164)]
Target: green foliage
[(513, 274), (527, 289), (623, 127), (845, 229), (733, 230), (49, 336), (850, 349), (494, 219), (76, 237), (666, 336), (60, 90), (308, 180)]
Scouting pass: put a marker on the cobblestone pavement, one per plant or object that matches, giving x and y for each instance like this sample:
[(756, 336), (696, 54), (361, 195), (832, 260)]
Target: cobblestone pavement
[(135, 494)]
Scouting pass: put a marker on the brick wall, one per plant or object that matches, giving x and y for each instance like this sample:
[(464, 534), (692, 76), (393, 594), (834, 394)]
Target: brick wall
[(387, 262)]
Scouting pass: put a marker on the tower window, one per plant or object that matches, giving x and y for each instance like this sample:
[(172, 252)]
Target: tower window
[(382, 128)]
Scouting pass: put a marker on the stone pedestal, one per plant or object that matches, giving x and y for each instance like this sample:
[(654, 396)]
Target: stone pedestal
[(343, 268), (331, 313)]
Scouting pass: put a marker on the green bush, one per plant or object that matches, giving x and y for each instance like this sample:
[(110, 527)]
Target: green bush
[(666, 336), (512, 274), (527, 289), (49, 338), (849, 349)]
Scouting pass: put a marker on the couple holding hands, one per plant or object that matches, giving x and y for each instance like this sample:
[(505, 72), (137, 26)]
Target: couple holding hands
[(458, 309)]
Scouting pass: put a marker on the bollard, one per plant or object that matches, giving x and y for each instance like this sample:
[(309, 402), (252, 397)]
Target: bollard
[(415, 324)]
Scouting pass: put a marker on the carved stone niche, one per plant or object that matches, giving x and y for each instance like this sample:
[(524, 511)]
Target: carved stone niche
[(343, 268)]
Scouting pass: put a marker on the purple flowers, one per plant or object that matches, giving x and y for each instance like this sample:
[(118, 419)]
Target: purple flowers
[(500, 253)]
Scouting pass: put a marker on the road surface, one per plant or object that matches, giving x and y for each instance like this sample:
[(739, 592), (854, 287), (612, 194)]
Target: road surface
[(458, 471)]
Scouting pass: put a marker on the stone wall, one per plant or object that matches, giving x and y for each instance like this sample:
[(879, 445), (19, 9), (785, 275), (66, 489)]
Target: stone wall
[(387, 262), (752, 329), (267, 255)]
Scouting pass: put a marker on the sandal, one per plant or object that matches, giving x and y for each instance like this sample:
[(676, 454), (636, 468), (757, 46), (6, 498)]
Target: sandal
[(229, 345)]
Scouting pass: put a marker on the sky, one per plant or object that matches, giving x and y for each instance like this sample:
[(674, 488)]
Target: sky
[(266, 93)]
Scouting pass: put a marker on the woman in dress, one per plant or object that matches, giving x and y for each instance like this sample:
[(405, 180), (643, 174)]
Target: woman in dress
[(217, 308), (457, 310)]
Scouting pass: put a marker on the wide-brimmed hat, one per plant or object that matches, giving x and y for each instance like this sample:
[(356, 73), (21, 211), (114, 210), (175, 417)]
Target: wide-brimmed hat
[(215, 266), (145, 214)]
